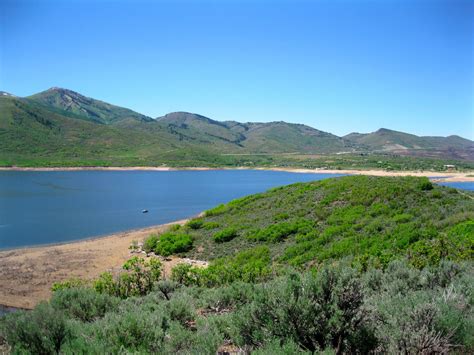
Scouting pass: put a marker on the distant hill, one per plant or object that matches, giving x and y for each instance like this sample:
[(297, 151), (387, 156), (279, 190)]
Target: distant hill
[(271, 137), (85, 107), (61, 127), (387, 140)]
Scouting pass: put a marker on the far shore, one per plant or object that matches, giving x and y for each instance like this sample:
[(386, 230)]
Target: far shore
[(454, 176), (27, 274)]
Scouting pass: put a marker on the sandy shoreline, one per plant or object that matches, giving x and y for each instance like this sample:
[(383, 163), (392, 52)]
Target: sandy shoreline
[(26, 274), (441, 176)]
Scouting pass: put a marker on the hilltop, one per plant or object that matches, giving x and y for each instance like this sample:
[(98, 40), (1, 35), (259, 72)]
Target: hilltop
[(79, 106), (386, 140), (368, 219), (60, 127)]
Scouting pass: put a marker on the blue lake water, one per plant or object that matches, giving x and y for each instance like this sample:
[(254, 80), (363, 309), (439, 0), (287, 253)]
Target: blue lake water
[(60, 206), (460, 185)]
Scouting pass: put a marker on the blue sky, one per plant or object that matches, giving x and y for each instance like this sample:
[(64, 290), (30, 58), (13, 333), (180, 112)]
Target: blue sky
[(339, 66)]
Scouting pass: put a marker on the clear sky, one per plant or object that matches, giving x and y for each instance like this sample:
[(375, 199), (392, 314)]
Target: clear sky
[(339, 66)]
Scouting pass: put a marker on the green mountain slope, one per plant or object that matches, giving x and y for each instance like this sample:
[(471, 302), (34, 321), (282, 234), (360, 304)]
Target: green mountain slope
[(400, 142), (32, 135), (60, 127), (271, 137), (371, 220), (83, 107)]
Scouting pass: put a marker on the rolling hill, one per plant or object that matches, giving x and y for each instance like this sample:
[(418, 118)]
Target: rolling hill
[(386, 140), (60, 127), (79, 106)]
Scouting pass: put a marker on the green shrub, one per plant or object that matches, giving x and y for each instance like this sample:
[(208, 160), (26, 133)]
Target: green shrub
[(41, 331), (171, 243), (315, 312), (426, 185), (132, 331), (137, 279), (225, 235), (210, 225), (71, 283), (216, 210), (84, 304), (149, 244), (277, 232), (195, 223)]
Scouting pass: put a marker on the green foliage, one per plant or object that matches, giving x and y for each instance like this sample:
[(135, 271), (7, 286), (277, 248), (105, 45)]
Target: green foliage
[(195, 223), (225, 235), (220, 209), (278, 232), (369, 220), (335, 309), (41, 331), (210, 225), (137, 279), (251, 265), (83, 304), (67, 284), (149, 244), (168, 243), (171, 243), (426, 185), (319, 312)]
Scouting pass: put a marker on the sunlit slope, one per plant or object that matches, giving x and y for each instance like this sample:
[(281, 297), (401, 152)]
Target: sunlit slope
[(410, 144), (79, 106), (32, 134), (370, 220)]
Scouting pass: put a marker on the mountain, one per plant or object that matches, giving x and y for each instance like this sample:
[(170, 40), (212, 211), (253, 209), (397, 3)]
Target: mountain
[(84, 107), (262, 138), (386, 140), (60, 127)]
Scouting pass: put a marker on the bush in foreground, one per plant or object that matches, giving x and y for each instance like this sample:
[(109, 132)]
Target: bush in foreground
[(336, 309)]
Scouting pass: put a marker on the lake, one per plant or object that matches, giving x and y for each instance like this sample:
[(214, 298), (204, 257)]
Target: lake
[(60, 206)]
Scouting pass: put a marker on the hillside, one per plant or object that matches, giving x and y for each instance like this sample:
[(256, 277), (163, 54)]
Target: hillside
[(386, 140), (79, 106), (345, 265), (368, 219), (59, 127), (271, 137)]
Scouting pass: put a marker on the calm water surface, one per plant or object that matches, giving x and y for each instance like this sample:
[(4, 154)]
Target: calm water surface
[(60, 206), (51, 207)]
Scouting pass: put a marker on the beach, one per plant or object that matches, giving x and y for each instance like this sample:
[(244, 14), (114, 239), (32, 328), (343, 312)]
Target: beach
[(26, 274)]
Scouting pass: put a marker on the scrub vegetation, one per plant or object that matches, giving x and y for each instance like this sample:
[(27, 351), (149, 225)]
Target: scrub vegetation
[(346, 265)]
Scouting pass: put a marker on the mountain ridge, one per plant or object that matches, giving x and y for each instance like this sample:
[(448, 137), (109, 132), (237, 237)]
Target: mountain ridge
[(80, 126)]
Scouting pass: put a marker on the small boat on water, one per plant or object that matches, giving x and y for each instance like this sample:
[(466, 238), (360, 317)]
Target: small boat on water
[(144, 211)]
